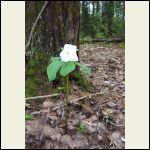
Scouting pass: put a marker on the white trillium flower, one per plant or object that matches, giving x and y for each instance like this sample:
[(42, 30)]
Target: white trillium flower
[(69, 53)]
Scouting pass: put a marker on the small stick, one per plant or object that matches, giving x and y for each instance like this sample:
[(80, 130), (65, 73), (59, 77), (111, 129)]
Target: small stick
[(89, 124), (34, 25), (40, 97), (88, 96), (117, 125), (99, 107)]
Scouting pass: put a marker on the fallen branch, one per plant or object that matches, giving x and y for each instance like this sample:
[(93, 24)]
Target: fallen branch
[(34, 25), (103, 40), (87, 96), (40, 97), (54, 95)]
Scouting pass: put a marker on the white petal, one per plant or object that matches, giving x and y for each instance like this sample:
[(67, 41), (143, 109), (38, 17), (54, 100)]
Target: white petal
[(74, 57), (70, 47), (63, 56)]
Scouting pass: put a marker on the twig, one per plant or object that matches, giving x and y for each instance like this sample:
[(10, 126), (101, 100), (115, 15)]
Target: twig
[(34, 25), (103, 103), (88, 96), (117, 125), (89, 124), (99, 107), (122, 139), (40, 97), (54, 95), (95, 124)]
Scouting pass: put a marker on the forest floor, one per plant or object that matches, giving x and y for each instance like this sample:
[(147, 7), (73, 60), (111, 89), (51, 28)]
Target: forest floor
[(96, 121)]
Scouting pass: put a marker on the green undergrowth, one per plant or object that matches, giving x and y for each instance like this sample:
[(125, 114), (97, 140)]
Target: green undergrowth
[(35, 74), (121, 45), (83, 81)]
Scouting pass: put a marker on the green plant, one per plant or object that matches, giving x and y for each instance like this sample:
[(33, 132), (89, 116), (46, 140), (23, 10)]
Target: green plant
[(81, 128), (64, 65), (58, 90), (88, 38), (35, 74), (121, 45), (28, 117)]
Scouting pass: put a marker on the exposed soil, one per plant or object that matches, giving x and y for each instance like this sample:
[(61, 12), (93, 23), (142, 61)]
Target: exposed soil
[(103, 115)]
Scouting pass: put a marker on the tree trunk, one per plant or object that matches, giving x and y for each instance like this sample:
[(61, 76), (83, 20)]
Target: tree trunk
[(58, 25), (97, 6), (93, 11), (107, 15), (110, 17), (85, 18), (123, 10)]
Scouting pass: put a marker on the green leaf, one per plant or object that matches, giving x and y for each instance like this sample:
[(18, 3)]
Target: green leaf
[(53, 68), (28, 117), (67, 67), (60, 88), (81, 128), (54, 58), (83, 67)]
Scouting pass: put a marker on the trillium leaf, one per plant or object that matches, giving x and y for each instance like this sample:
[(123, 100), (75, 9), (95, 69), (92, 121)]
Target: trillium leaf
[(54, 58), (67, 67), (53, 68), (84, 68)]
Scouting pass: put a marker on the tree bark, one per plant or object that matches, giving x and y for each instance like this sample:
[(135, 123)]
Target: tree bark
[(93, 11), (58, 25), (97, 6), (85, 18)]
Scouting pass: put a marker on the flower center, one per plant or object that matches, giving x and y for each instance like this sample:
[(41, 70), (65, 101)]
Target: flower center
[(68, 53)]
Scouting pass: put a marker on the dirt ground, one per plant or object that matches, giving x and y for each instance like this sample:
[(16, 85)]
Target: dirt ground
[(102, 114)]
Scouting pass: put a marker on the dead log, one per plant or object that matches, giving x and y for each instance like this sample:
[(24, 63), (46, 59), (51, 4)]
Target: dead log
[(103, 40)]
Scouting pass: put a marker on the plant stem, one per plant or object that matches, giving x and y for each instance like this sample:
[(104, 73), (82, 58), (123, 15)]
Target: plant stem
[(67, 94)]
